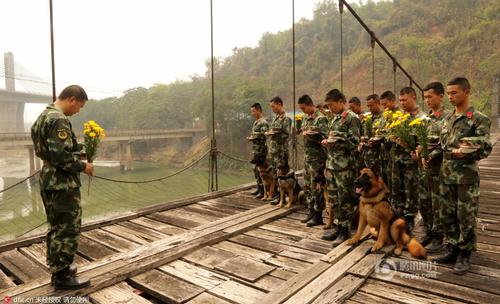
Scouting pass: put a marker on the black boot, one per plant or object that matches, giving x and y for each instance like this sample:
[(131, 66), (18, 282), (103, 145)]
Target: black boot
[(308, 216), (257, 190), (65, 279), (428, 237), (260, 195), (449, 257), (435, 245), (72, 271), (316, 220), (462, 265), (275, 200), (331, 234), (410, 222), (343, 236)]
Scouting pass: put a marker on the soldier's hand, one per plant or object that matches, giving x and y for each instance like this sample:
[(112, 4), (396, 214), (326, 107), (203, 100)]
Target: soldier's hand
[(325, 142), (425, 163), (318, 186), (414, 155), (457, 153), (89, 169)]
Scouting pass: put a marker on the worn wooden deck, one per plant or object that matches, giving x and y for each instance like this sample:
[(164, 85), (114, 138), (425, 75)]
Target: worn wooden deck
[(228, 247)]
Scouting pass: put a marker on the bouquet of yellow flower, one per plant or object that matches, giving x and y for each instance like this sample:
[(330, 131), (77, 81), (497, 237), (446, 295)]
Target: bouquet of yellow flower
[(368, 120), (298, 121), (92, 134), (401, 131), (419, 127)]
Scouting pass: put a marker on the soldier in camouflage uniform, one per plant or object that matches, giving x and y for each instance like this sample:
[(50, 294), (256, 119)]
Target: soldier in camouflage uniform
[(464, 140), (343, 138), (314, 129), (430, 198), (55, 143), (259, 147), (388, 101), (355, 107), (279, 133), (371, 139), (404, 171)]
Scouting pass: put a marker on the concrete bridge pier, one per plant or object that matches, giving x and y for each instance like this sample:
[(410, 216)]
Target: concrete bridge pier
[(126, 160)]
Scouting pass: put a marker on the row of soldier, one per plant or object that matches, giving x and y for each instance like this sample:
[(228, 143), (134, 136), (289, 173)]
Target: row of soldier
[(444, 187)]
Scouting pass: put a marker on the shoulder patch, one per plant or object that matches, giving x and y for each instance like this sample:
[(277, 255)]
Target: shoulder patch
[(62, 134)]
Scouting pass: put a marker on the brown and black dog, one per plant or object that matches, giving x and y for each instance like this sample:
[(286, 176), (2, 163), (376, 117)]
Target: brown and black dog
[(266, 172), (288, 185), (376, 212)]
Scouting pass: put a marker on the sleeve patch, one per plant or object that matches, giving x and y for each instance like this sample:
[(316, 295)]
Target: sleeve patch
[(62, 134)]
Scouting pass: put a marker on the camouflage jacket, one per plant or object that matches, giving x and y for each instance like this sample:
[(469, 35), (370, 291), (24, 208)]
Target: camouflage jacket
[(436, 123), (372, 123), (313, 150), (473, 126), (385, 149), (55, 143), (280, 127), (345, 129), (258, 138), (401, 154)]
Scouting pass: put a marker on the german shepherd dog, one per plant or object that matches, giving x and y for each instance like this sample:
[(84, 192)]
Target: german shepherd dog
[(321, 180), (288, 183), (376, 212), (266, 172)]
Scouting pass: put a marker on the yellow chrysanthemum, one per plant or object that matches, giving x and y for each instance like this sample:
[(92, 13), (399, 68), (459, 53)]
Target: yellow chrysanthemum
[(377, 123), (92, 135), (298, 117)]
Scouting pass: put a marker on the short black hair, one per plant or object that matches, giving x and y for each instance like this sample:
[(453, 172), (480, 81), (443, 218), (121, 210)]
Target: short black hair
[(460, 81), (335, 95), (276, 99), (73, 91), (437, 87), (355, 100), (257, 106), (306, 99), (388, 95), (373, 96), (408, 91)]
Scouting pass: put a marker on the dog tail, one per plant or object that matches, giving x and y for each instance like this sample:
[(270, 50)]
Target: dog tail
[(414, 247)]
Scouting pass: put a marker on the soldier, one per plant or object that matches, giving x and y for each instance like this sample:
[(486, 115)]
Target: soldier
[(343, 139), (315, 129), (464, 140), (355, 107), (259, 147), (279, 133), (372, 140), (430, 198), (55, 143), (388, 101), (404, 171)]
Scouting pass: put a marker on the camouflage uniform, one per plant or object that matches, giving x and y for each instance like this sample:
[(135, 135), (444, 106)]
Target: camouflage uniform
[(55, 143), (314, 158), (386, 161), (340, 166), (278, 144), (371, 151), (405, 179), (259, 147), (430, 198), (461, 175)]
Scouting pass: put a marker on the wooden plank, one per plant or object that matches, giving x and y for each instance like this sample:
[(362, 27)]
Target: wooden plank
[(363, 298), (174, 220), (22, 268), (38, 253), (110, 240), (340, 291), (447, 290), (269, 283), (129, 234), (191, 215), (93, 224), (117, 294), (146, 233), (289, 264), (92, 250), (209, 257), (243, 251), (207, 211), (165, 287), (402, 294), (366, 266), (206, 298), (158, 226), (339, 251), (301, 254), (285, 230), (259, 244), (295, 283), (274, 236), (193, 274), (283, 274), (153, 255), (331, 275), (314, 245), (238, 293), (5, 281), (245, 268)]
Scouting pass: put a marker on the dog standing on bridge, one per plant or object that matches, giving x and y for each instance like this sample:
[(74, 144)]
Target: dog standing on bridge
[(376, 212), (288, 184)]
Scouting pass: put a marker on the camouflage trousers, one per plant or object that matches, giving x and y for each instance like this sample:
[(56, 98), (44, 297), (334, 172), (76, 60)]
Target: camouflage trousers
[(386, 169), (340, 187), (256, 173), (431, 201), (64, 218), (459, 214), (425, 199), (370, 158), (314, 197), (404, 188)]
